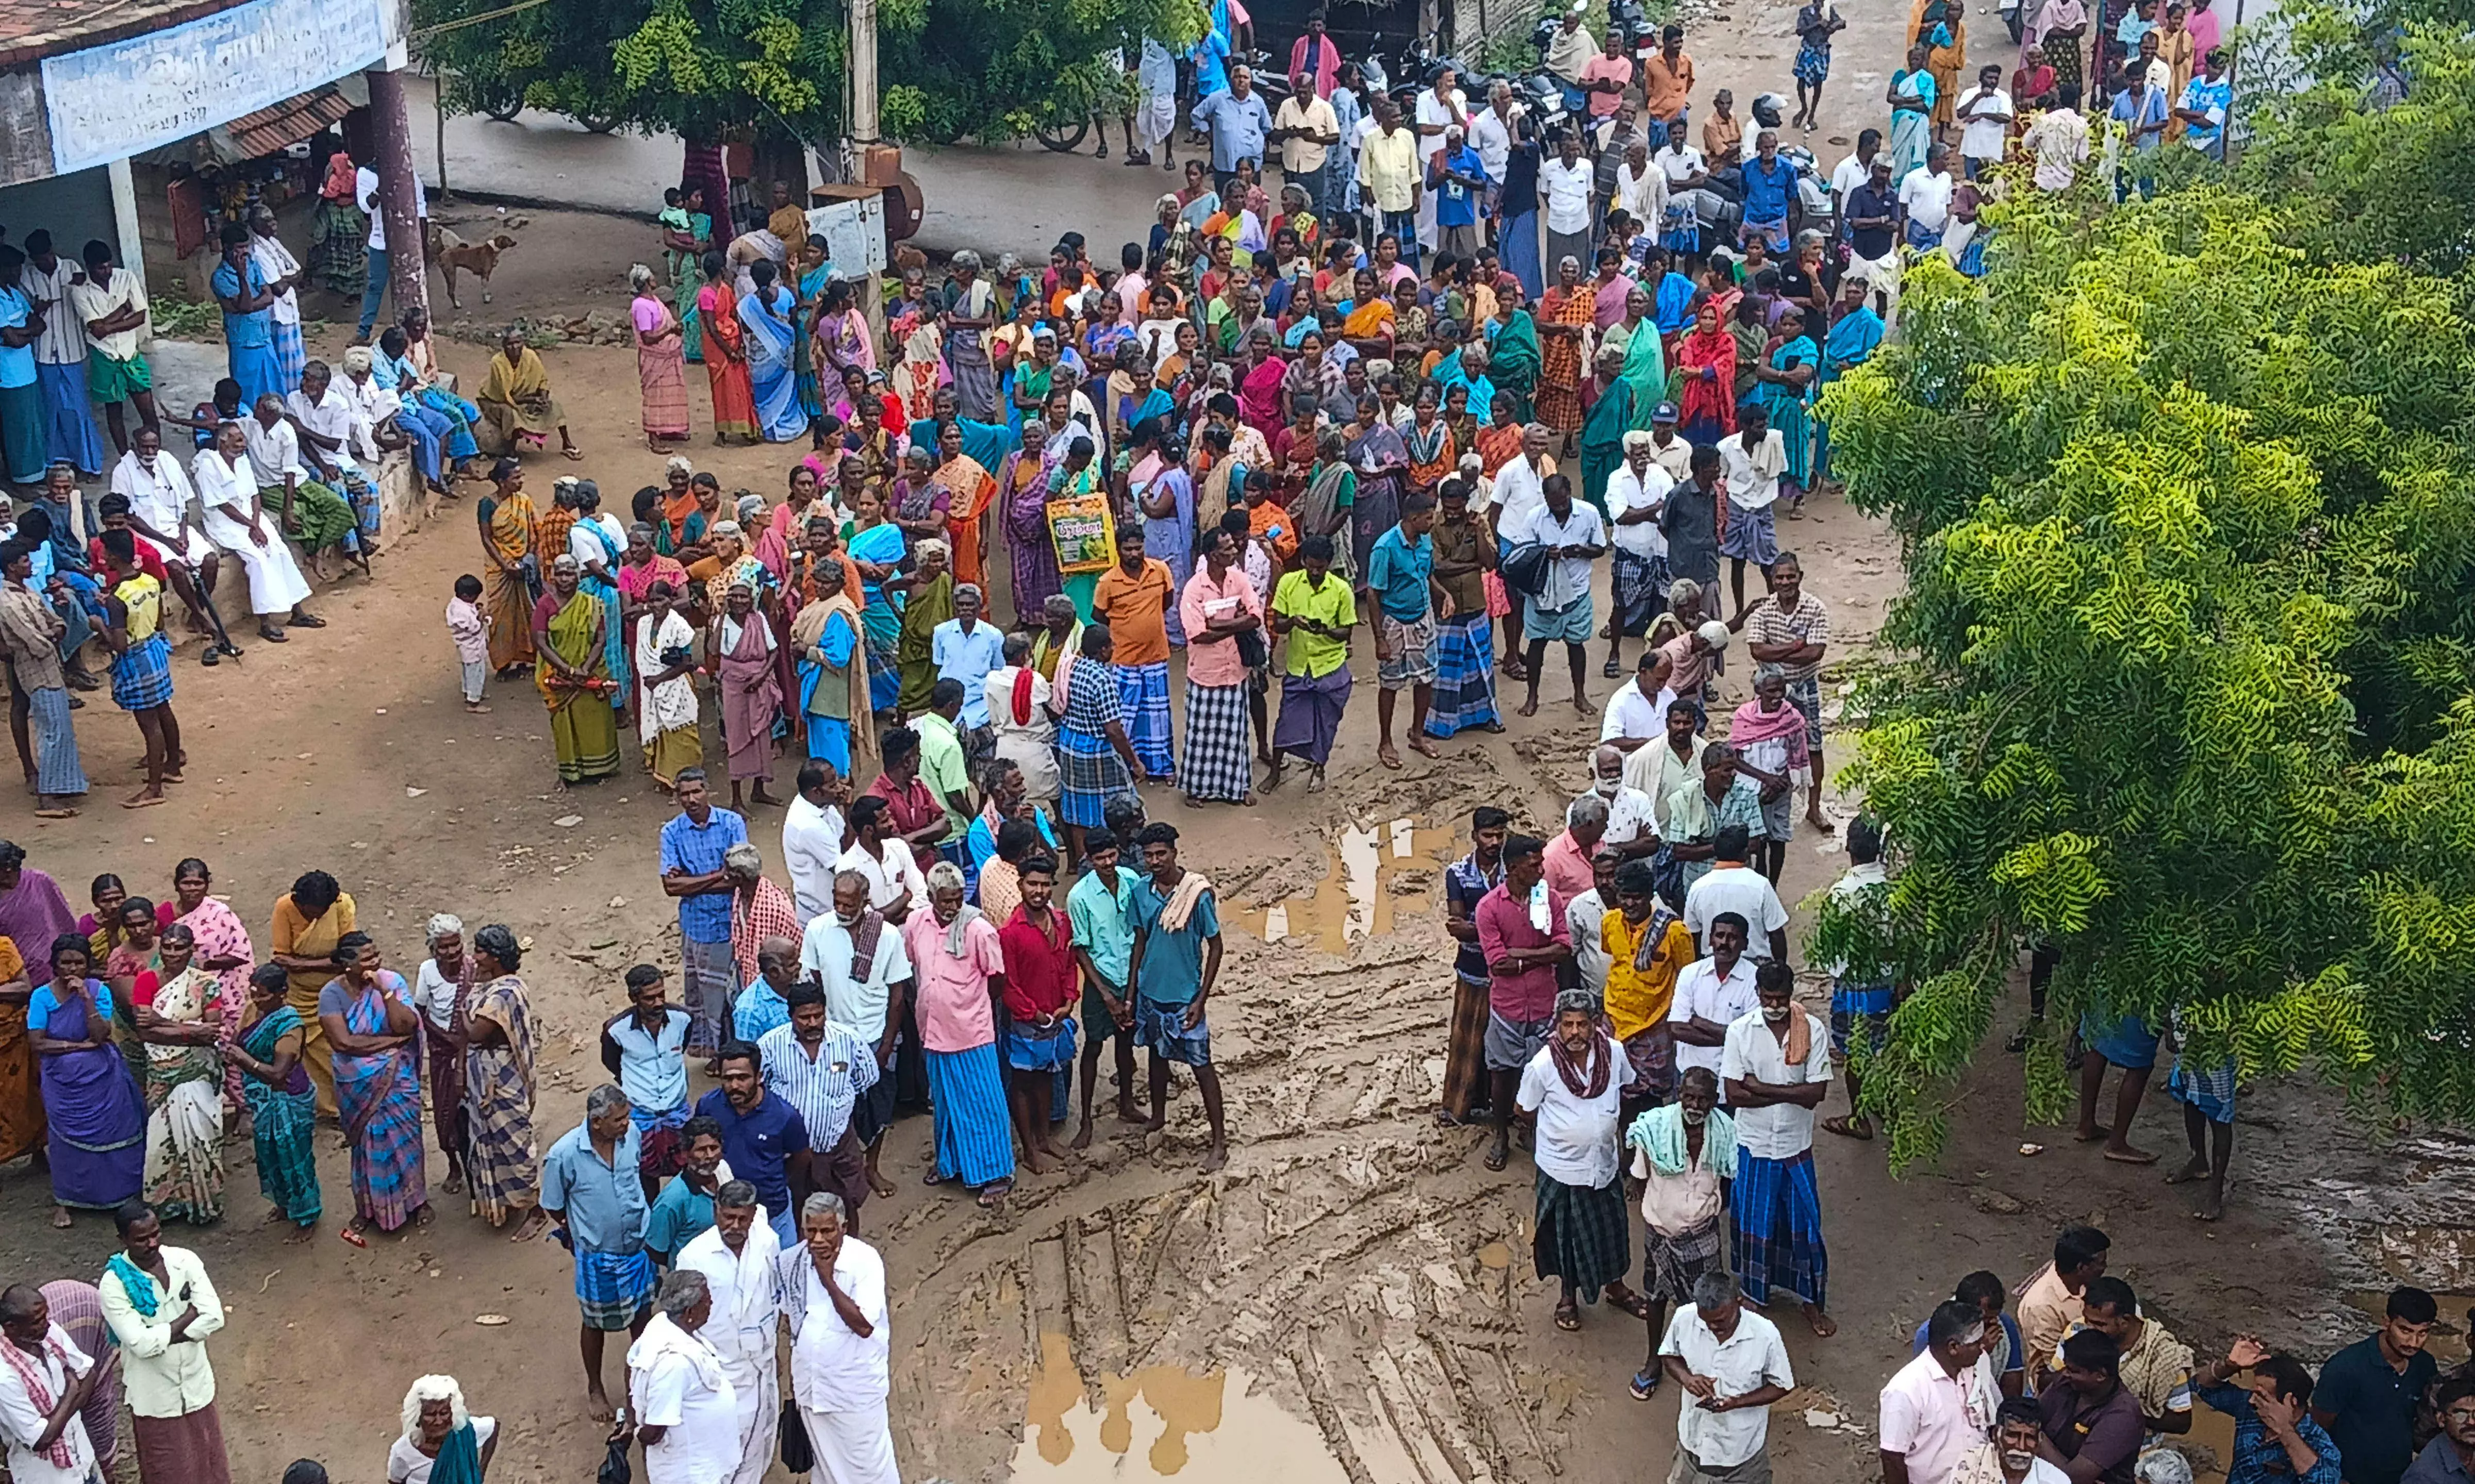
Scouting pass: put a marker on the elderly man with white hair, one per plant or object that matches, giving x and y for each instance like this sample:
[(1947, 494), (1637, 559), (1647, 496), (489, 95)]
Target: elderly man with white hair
[(1575, 1085), (959, 971), (234, 519), (833, 1295), (739, 1258), (687, 1411), (1731, 1368), (592, 1196), (442, 1442)]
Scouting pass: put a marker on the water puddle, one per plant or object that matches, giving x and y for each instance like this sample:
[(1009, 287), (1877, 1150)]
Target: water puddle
[(1373, 877), (1161, 1422)]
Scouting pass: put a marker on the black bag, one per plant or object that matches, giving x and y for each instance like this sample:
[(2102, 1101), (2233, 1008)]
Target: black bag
[(798, 1455), (1252, 652), (614, 1468), (1524, 568)]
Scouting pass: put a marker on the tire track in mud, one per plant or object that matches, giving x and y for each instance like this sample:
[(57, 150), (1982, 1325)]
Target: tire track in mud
[(1355, 1261)]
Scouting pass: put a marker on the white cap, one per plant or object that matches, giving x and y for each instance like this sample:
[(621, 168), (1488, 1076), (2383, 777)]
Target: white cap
[(1714, 633)]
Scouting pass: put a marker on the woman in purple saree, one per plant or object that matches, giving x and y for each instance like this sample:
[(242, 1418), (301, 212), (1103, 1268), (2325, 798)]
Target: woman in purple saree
[(95, 1114)]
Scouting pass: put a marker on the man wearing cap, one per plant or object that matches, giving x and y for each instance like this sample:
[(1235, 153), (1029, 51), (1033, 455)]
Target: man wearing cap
[(1692, 656), (1456, 177), (1636, 496), (1672, 452)]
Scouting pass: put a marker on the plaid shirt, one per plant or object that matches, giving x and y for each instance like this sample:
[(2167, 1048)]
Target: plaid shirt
[(2259, 1458), (1807, 623), (755, 916)]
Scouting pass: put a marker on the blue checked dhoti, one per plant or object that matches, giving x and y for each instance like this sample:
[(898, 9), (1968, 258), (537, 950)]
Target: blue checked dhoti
[(290, 355), (974, 1129), (1142, 694), (1464, 675), (141, 679), (613, 1288), (1778, 1216)]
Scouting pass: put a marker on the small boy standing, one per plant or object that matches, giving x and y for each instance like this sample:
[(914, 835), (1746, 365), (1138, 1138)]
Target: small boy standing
[(472, 635)]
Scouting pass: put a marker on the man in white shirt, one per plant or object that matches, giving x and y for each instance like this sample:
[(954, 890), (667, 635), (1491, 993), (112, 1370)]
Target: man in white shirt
[(1575, 1084), (160, 496), (1306, 130), (1518, 484), (41, 1391), (687, 1410), (229, 509), (1561, 611), (856, 955), (59, 357), (741, 1259), (1730, 1367), (1632, 817), (1710, 994), (812, 839), (1679, 161), (1752, 458), (1776, 1067), (1566, 185), (335, 438), (1939, 1406), (1442, 106), (1985, 113), (1490, 133), (884, 861), (1642, 191), (1018, 717), (2057, 141), (1733, 887), (1636, 496), (365, 195), (1854, 171), (1924, 199), (833, 1293), (1637, 711)]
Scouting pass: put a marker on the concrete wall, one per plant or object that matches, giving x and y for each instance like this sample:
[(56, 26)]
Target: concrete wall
[(74, 206)]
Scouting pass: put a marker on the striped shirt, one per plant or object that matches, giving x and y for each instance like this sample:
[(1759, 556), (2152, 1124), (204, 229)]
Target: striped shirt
[(825, 1089)]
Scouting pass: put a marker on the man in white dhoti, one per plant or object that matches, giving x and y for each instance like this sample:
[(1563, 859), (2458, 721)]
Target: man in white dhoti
[(740, 1257), (160, 496), (687, 1416), (234, 520), (1156, 114), (833, 1290)]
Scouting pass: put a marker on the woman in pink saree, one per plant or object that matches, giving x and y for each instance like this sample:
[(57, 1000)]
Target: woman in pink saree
[(223, 950), (1258, 384)]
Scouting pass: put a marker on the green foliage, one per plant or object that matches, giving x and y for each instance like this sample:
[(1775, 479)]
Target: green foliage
[(2181, 683), (949, 69)]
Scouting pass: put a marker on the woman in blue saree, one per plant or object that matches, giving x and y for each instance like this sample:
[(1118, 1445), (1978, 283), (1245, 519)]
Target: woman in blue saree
[(1786, 386), (815, 273), (876, 547), (1851, 344), (768, 315), (601, 582), (1911, 97), (95, 1116)]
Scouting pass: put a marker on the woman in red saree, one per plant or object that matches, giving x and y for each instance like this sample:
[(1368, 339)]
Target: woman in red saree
[(970, 491), (1566, 315), (726, 354), (1258, 384), (1704, 383)]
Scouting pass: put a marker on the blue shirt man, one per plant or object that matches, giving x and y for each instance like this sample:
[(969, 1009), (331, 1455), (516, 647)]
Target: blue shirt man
[(1448, 176), (2138, 108), (602, 1203), (1236, 120), (761, 1135), (1398, 568), (17, 361), (1770, 183), (969, 655), (684, 1210), (2258, 1457), (2209, 96), (692, 844), (1172, 966)]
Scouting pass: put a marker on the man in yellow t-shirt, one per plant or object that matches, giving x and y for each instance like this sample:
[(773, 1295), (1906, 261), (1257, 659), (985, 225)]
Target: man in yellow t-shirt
[(1647, 946), (1315, 611)]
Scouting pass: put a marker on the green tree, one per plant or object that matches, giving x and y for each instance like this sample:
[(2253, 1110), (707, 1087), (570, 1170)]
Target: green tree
[(2181, 682), (774, 71)]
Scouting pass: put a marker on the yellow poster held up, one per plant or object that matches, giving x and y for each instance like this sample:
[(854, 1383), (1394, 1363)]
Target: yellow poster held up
[(1084, 532)]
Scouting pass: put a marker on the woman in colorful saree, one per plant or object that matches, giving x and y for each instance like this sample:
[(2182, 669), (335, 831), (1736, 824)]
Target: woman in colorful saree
[(572, 675), (665, 706), (96, 1119), (179, 1021), (1022, 485), (724, 346), (1704, 383), (223, 950), (877, 549), (508, 518), (504, 1161), (367, 1014), (281, 1112), (770, 316)]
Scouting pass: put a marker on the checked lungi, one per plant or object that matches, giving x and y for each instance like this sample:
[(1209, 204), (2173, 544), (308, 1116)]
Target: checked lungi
[(1806, 696), (1142, 694), (1671, 1264), (1639, 590), (1777, 1218), (1465, 1047), (1089, 775), (141, 678), (1582, 1236), (291, 355), (1219, 743), (1464, 675), (613, 1288), (2210, 1092)]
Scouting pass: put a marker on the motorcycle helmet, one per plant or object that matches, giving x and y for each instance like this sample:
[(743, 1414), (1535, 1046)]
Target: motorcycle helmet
[(1769, 109)]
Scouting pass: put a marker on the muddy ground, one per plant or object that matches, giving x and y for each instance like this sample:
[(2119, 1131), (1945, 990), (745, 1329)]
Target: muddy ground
[(1350, 1301)]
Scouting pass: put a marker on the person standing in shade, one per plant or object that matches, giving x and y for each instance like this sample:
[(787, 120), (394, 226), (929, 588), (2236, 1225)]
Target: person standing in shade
[(692, 846), (2368, 1393), (645, 1047), (59, 357), (1172, 968), (162, 1306), (959, 972), (833, 1296), (596, 1209), (1100, 913), (1729, 1367), (248, 300), (109, 302), (367, 197), (46, 1383), (741, 1259)]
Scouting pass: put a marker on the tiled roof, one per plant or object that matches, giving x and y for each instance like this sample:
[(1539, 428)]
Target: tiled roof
[(294, 119), (30, 30)]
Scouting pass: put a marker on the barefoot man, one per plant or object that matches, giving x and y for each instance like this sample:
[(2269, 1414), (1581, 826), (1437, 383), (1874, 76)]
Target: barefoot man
[(858, 959), (1402, 592), (1175, 959), (1776, 1067), (142, 665), (595, 1205), (1039, 948), (1101, 910)]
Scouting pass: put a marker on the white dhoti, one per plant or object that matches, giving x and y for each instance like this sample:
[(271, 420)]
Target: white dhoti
[(193, 549), (1041, 783), (1882, 274), (275, 580), (758, 1390), (853, 1447), (1156, 119)]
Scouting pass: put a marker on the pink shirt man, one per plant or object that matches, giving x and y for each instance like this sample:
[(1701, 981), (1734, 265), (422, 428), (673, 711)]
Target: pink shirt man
[(1614, 68), (1528, 995), (1215, 664), (953, 1006)]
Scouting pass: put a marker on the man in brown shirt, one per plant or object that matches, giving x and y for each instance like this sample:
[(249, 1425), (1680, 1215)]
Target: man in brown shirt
[(1667, 79), (1723, 133), (1464, 550)]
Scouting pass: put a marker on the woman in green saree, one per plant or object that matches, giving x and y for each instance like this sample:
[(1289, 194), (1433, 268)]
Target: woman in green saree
[(1645, 360), (283, 1111), (1513, 349), (931, 602), (1604, 428), (573, 676)]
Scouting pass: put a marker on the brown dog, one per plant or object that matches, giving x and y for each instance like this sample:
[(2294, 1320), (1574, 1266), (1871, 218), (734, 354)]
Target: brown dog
[(449, 252)]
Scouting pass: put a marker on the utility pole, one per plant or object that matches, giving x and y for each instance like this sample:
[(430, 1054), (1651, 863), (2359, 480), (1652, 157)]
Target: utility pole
[(391, 130), (861, 147)]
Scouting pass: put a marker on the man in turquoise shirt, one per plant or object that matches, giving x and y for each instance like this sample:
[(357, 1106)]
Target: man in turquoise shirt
[(684, 1210), (1401, 581), (1176, 957), (24, 441), (1101, 911)]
